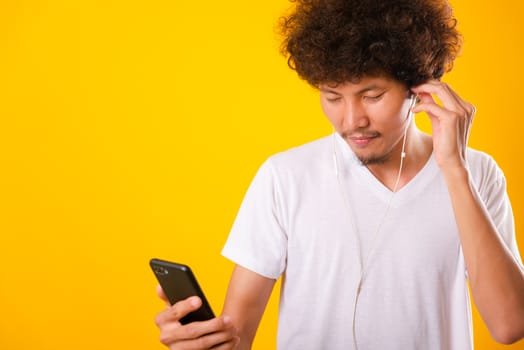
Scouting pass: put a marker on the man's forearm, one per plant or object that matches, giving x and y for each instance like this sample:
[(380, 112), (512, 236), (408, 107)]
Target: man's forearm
[(496, 278)]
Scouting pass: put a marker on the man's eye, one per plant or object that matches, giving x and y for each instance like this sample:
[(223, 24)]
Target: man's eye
[(334, 99), (373, 97)]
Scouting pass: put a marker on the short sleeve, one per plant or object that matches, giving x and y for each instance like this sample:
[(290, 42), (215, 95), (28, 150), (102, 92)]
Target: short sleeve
[(257, 240), (494, 194)]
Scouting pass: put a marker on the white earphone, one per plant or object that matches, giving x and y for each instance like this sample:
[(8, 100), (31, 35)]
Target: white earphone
[(412, 101)]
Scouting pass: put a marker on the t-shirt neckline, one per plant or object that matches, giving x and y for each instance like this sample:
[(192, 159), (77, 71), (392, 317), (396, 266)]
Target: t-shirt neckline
[(366, 177)]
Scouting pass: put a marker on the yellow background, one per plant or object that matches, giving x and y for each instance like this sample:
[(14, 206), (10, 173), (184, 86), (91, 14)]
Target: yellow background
[(131, 130)]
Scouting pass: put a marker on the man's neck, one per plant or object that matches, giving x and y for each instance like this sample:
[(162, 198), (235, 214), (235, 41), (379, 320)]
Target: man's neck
[(419, 147)]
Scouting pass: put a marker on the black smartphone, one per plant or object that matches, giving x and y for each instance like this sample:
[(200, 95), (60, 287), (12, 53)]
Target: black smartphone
[(179, 283)]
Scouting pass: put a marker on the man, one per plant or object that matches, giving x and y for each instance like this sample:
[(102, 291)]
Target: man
[(376, 229)]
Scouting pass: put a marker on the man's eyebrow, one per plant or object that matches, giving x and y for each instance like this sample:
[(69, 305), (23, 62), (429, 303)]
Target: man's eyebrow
[(365, 89), (370, 88), (324, 89)]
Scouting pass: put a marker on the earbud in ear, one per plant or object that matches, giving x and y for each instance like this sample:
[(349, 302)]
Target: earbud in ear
[(413, 101)]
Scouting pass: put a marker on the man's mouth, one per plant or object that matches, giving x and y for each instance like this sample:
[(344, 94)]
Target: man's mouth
[(362, 139)]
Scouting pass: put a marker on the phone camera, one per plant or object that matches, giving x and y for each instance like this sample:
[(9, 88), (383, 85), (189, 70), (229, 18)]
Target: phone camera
[(159, 270)]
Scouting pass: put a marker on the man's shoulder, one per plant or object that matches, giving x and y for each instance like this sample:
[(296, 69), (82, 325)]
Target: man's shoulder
[(483, 167), (478, 160), (302, 159)]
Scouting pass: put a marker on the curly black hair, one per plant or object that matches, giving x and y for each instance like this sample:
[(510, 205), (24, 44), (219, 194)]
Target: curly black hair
[(336, 41)]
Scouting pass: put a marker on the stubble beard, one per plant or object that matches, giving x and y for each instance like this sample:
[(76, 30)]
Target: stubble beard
[(373, 159)]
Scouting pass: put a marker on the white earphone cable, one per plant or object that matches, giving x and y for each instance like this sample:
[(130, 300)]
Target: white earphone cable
[(364, 263)]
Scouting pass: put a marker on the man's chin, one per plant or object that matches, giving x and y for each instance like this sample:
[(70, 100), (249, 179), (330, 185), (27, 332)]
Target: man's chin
[(373, 159)]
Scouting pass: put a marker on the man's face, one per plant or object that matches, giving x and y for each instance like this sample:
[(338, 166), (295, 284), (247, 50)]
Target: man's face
[(369, 115)]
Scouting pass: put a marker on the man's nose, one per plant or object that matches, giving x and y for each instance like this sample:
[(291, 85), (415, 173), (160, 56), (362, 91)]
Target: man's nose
[(355, 116)]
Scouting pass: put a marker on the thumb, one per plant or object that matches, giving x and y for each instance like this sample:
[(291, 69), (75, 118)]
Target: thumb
[(161, 294)]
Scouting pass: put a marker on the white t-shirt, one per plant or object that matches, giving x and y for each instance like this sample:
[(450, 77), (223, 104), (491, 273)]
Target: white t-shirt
[(294, 223)]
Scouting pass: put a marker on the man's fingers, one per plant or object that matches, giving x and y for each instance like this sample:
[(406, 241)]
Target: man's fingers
[(435, 111), (450, 99), (440, 90), (458, 108), (468, 107), (177, 311), (217, 333), (199, 335)]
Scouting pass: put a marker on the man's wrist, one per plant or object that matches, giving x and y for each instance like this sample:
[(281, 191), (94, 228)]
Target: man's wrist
[(456, 176)]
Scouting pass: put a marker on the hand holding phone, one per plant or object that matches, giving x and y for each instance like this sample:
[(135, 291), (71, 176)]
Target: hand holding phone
[(178, 283)]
